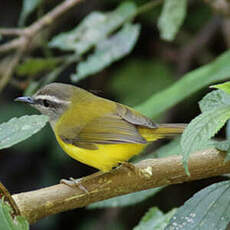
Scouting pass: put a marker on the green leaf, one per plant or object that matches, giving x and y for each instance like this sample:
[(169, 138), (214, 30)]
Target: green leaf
[(126, 200), (27, 8), (193, 81), (201, 129), (155, 219), (214, 99), (94, 28), (208, 209), (7, 222), (33, 66), (225, 87), (108, 51), (171, 18), (19, 129), (222, 145), (228, 130)]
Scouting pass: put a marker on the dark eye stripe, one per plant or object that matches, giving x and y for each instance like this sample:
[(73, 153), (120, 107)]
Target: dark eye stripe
[(46, 103)]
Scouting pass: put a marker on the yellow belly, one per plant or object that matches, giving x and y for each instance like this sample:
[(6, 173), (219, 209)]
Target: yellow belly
[(105, 157)]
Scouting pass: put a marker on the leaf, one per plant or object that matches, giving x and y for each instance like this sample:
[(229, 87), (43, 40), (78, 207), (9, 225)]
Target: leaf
[(27, 8), (222, 145), (34, 66), (208, 209), (155, 219), (19, 129), (171, 18), (7, 222), (108, 51), (225, 87), (228, 130), (94, 28), (201, 129), (126, 200), (213, 100), (193, 81)]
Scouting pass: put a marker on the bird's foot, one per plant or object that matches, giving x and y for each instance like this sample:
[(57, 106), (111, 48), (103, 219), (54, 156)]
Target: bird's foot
[(131, 167), (73, 183)]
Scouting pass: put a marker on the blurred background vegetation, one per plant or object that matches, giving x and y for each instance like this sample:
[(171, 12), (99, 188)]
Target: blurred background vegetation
[(152, 63)]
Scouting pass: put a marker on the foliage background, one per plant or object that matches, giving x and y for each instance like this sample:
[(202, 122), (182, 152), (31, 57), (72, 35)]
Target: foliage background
[(153, 65)]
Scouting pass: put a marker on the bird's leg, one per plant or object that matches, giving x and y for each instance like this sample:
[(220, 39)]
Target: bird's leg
[(73, 183)]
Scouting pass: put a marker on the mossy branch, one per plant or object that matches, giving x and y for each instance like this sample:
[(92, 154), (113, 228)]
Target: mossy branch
[(150, 173)]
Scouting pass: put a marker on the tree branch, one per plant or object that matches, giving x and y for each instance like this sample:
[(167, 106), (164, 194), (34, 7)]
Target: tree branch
[(28, 38), (150, 173), (31, 31)]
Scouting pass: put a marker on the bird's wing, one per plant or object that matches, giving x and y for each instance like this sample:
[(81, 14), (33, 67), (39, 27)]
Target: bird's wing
[(113, 128), (134, 117)]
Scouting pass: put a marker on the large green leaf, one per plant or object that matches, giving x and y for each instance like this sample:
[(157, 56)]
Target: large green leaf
[(19, 129), (214, 99), (172, 17), (7, 222), (28, 7), (225, 87), (94, 28), (193, 81), (208, 209), (126, 200), (155, 219), (201, 129), (108, 51)]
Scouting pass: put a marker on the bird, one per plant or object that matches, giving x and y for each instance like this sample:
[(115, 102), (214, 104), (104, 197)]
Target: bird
[(93, 130)]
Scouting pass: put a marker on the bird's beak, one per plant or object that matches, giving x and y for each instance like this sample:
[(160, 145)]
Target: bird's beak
[(28, 100)]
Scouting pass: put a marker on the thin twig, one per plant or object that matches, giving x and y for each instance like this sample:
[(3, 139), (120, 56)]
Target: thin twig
[(10, 67), (150, 173), (31, 31), (12, 45), (52, 16), (27, 35), (11, 31)]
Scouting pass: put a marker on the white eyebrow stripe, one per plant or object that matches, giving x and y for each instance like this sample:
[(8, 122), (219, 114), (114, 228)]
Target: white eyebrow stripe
[(51, 98)]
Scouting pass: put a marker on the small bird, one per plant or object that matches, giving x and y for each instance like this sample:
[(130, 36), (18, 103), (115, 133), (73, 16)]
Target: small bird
[(93, 130)]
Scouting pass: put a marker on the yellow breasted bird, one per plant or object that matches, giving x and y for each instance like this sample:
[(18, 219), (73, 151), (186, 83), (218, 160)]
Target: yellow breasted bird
[(93, 130)]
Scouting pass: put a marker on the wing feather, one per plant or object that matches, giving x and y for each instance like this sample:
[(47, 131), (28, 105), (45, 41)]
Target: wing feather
[(118, 127)]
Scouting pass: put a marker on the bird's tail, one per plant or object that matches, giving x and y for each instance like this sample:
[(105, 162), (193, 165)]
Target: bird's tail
[(162, 131)]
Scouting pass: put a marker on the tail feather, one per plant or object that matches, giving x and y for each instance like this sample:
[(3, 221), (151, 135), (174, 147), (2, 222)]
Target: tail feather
[(171, 128), (162, 131)]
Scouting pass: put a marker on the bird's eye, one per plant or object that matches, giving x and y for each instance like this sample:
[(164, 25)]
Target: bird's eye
[(46, 103)]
